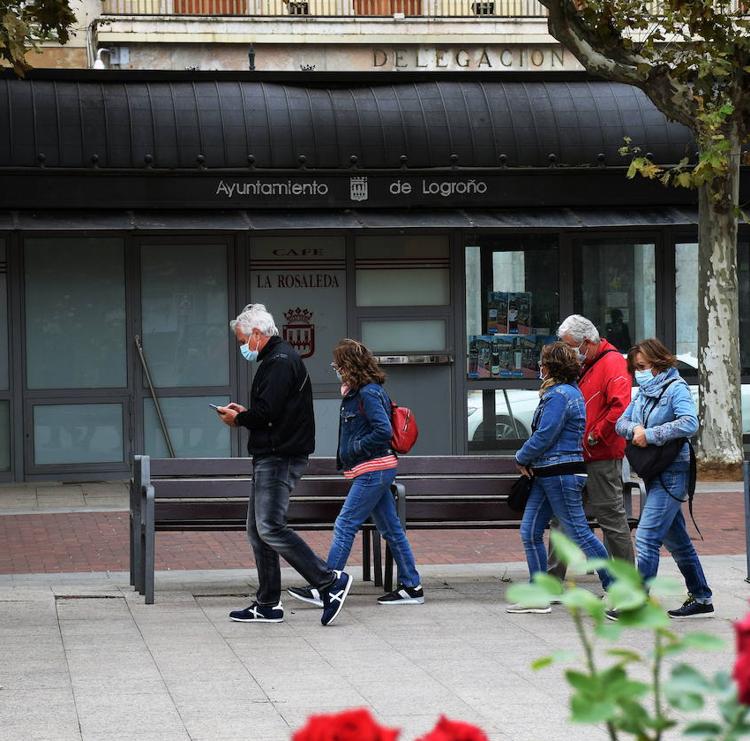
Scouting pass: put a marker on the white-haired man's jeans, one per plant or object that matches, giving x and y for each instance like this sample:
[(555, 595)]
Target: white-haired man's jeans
[(274, 478), (662, 523)]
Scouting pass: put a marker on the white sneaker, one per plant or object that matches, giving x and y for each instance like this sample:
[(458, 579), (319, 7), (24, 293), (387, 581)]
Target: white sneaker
[(515, 609)]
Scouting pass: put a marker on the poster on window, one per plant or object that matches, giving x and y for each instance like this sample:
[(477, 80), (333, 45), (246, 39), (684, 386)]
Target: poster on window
[(505, 355), (302, 282)]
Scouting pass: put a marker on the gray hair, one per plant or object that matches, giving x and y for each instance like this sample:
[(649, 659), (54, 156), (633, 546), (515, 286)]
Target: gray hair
[(255, 316), (579, 328)]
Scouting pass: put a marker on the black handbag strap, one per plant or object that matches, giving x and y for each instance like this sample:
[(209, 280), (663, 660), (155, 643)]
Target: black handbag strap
[(594, 362), (658, 399)]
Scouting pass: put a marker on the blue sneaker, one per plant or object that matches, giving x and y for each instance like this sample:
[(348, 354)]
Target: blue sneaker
[(258, 614), (334, 596)]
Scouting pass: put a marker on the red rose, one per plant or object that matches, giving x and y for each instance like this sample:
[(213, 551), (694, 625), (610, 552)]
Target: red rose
[(741, 675), (350, 725), (454, 730), (742, 631)]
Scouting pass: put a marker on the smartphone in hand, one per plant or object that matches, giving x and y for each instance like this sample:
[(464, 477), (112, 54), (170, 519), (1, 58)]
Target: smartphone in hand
[(214, 406)]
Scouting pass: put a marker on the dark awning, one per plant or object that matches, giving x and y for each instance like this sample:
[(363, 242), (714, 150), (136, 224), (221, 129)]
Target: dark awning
[(473, 122), (226, 221)]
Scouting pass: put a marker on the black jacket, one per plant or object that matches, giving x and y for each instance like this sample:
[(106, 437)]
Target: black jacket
[(280, 418)]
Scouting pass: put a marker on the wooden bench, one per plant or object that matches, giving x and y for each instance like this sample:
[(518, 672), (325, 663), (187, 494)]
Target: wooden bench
[(431, 492), (466, 493), (207, 494)]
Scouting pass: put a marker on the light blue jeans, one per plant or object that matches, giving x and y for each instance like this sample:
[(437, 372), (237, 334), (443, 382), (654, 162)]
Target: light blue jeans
[(370, 495), (560, 496), (662, 523)]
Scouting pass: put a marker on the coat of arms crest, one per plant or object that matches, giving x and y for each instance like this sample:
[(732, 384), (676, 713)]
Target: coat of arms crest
[(299, 331)]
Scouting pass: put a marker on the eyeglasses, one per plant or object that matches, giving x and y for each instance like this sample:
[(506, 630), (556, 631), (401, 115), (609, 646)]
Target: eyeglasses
[(334, 366)]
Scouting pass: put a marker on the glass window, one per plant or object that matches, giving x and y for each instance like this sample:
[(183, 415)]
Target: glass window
[(403, 271), (75, 313), (4, 377), (4, 436), (686, 304), (404, 335), (496, 416), (78, 433), (616, 289), (194, 427), (185, 314), (512, 306)]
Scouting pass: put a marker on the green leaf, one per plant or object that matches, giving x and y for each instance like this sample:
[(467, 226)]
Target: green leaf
[(584, 710), (542, 663), (702, 728), (609, 631), (623, 595), (567, 551), (665, 586), (528, 595), (625, 654), (685, 678), (581, 599), (649, 616), (583, 682), (704, 641), (687, 701), (549, 583)]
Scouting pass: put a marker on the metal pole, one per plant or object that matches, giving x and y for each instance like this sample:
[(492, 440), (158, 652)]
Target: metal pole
[(164, 430), (746, 478)]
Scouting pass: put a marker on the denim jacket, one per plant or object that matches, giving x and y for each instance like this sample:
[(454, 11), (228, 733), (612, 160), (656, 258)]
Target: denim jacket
[(364, 426), (673, 417), (557, 429)]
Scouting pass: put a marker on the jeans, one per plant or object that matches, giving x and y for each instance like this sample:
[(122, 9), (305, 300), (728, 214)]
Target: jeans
[(559, 496), (602, 499), (370, 495), (662, 523), (274, 478)]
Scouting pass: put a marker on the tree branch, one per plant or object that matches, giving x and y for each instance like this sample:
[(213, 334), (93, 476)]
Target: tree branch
[(621, 65)]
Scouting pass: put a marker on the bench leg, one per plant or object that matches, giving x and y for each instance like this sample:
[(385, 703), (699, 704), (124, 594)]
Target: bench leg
[(377, 559), (388, 582), (366, 544), (150, 537)]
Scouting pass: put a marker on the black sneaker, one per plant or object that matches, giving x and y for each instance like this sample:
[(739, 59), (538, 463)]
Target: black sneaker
[(258, 614), (334, 596), (612, 615), (692, 609), (403, 596), (306, 594)]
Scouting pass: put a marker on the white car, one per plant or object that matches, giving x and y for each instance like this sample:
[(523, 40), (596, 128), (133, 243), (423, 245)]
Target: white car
[(514, 410)]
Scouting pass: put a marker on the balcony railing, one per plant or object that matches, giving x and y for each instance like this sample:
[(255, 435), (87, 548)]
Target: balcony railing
[(329, 8), (342, 8)]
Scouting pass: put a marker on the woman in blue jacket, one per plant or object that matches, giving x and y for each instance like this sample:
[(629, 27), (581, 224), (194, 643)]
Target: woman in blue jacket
[(554, 456), (664, 410), (365, 456)]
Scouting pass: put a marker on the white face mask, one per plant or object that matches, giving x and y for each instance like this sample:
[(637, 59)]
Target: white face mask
[(581, 355)]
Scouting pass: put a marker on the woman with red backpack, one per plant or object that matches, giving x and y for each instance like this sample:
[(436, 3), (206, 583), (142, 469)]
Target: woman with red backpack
[(366, 456)]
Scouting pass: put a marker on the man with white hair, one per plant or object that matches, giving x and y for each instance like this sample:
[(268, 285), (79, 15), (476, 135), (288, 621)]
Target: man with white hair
[(605, 384), (282, 436)]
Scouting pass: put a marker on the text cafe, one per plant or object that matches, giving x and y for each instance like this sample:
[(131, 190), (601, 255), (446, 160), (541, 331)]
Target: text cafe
[(449, 222)]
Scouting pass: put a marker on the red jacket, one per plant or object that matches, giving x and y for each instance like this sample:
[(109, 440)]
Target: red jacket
[(605, 384)]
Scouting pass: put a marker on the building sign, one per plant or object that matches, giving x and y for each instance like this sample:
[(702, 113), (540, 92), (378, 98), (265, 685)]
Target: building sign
[(540, 58), (302, 282)]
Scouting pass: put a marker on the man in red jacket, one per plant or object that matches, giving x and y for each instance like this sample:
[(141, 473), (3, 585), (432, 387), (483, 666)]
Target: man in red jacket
[(605, 384)]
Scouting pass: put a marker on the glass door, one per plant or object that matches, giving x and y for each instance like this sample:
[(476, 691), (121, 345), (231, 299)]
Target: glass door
[(5, 398), (185, 301), (77, 405)]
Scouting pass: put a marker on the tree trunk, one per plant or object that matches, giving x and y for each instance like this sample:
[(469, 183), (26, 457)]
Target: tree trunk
[(720, 450)]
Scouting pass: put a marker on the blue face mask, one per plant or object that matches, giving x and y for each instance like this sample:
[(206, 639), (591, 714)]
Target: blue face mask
[(250, 355), (643, 377), (338, 375)]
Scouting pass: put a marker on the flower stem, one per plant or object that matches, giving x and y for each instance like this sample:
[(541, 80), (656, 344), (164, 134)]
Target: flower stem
[(658, 656), (589, 650)]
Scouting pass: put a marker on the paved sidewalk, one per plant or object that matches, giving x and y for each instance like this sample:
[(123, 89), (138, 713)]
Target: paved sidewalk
[(58, 533), (84, 658)]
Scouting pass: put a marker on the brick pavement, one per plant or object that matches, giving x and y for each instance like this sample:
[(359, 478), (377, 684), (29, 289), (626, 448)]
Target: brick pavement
[(98, 541)]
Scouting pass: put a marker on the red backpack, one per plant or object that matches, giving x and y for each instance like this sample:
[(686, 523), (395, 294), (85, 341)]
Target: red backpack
[(405, 430)]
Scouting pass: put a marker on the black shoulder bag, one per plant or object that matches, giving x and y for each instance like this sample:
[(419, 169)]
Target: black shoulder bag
[(519, 493)]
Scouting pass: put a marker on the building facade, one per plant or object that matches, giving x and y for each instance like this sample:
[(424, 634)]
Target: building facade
[(447, 220)]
